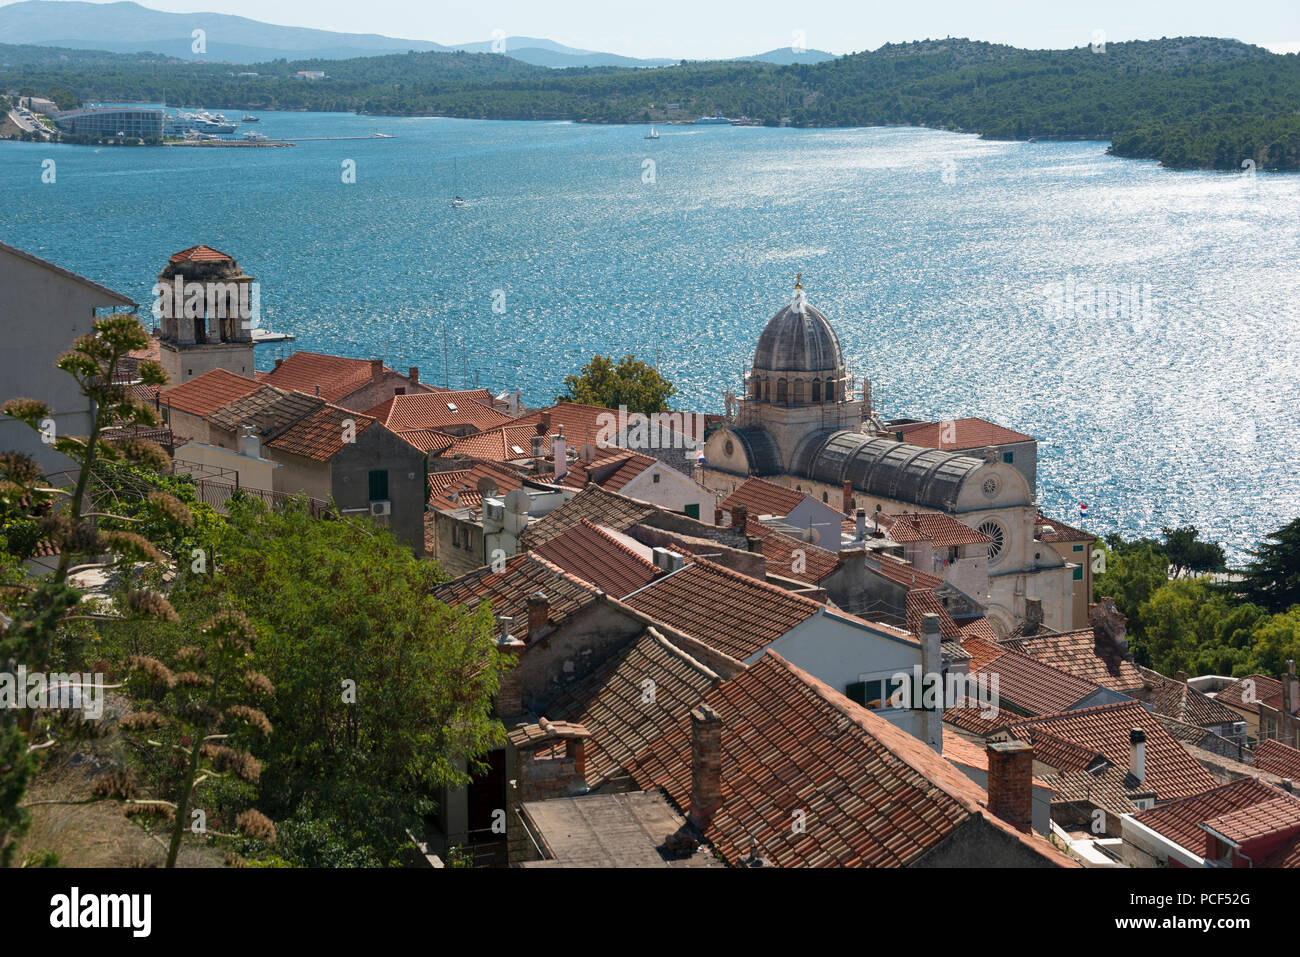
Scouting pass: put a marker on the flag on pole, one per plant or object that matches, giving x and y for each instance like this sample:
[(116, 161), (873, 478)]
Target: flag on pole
[(1083, 509)]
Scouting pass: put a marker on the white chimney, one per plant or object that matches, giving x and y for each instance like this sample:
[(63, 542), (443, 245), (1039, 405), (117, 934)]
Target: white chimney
[(249, 444), (1137, 755), (561, 448), (861, 516)]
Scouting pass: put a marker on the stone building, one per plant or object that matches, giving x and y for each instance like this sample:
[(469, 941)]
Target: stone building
[(801, 425), (204, 305)]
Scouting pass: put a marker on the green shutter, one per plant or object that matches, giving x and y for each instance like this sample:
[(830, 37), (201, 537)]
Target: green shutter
[(693, 510), (379, 485)]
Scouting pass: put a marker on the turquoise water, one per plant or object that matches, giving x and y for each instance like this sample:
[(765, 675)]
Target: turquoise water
[(931, 253)]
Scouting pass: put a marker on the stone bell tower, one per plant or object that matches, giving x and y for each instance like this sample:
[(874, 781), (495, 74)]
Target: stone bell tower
[(205, 306)]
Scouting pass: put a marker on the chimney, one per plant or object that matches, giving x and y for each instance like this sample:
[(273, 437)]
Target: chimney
[(1109, 624), (1290, 689), (278, 363), (515, 399), (376, 369), (717, 515), (931, 664), (561, 448), (861, 516), (413, 374), (539, 612), (1180, 676), (1011, 783), (318, 390), (848, 498), (1137, 754), (510, 692), (706, 765), (739, 517), (249, 444)]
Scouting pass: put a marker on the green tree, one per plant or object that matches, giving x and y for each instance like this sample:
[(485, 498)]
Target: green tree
[(383, 694), (1272, 578), (1277, 639), (630, 383), (1188, 553), (1132, 575)]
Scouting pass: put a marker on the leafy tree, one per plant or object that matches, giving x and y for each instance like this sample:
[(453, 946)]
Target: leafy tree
[(1272, 578), (1132, 576), (1187, 553), (630, 383), (1277, 639), (383, 694)]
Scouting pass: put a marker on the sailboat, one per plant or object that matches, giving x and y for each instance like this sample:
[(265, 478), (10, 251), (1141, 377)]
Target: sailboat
[(652, 135), (456, 201)]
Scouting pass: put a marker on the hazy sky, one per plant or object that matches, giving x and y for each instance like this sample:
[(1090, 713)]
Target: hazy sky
[(721, 28)]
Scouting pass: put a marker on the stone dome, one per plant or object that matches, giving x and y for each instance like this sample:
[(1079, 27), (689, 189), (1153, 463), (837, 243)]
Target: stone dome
[(799, 339)]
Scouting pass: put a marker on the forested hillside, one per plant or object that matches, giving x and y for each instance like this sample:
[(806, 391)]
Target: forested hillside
[(1190, 102)]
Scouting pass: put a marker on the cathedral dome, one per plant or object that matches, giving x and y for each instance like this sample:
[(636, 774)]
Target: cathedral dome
[(799, 339)]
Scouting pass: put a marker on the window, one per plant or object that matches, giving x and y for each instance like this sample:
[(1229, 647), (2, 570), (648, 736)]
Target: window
[(780, 390), (1078, 573), (817, 390), (379, 485), (874, 694), (1008, 457), (1078, 548), (824, 497), (994, 531), (692, 509), (655, 479)]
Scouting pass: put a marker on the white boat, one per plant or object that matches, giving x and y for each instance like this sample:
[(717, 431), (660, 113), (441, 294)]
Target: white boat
[(458, 203), (653, 134), (252, 136)]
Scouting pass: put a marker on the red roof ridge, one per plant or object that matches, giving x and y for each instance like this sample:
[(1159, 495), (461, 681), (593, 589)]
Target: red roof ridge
[(748, 580), (1077, 712), (616, 543)]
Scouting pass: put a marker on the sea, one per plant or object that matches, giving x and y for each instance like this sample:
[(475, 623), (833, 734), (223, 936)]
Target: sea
[(1142, 323)]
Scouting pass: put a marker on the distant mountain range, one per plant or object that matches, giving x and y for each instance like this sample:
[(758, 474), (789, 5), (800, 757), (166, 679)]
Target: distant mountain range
[(127, 27)]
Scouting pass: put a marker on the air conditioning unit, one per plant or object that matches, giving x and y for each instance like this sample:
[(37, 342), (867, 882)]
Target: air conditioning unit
[(381, 508)]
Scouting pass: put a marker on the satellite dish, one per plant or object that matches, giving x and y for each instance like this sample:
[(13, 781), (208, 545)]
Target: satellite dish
[(517, 502), (487, 487), (811, 536)]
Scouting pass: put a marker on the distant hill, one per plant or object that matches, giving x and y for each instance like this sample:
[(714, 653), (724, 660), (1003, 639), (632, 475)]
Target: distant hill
[(786, 56), (128, 27), (1189, 102)]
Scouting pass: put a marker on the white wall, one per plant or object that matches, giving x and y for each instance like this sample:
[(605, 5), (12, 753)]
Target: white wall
[(674, 491)]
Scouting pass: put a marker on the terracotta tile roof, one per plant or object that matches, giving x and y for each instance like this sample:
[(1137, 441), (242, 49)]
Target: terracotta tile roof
[(337, 376), (941, 531), (266, 408), (206, 393), (764, 498), (1287, 854), (199, 254), (1050, 530), (1277, 758), (1177, 700), (545, 732), (465, 485), (428, 441), (967, 433), (610, 472), (594, 504), (968, 754), (902, 573), (984, 720), (730, 612), (595, 556), (1034, 687), (1265, 689), (1085, 654), (871, 794), (319, 436), (981, 651), (495, 445), (583, 423), (622, 712), (977, 628), (1106, 787), (434, 410), (779, 551), (922, 602), (1171, 771), (1254, 821), (1062, 755), (508, 590), (1180, 821)]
